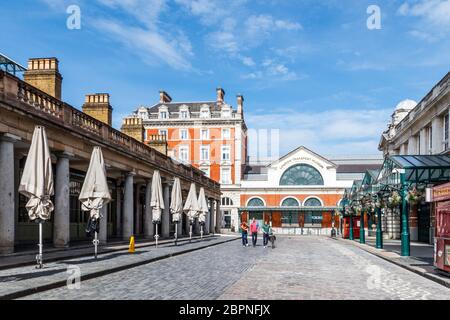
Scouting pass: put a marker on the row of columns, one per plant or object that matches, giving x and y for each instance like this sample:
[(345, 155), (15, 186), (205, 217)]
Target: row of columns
[(126, 224)]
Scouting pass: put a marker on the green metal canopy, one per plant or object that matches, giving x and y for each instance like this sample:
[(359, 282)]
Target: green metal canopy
[(369, 182), (421, 169)]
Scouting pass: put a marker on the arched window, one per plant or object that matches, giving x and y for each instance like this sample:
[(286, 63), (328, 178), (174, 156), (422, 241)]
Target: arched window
[(313, 202), (255, 202), (290, 202), (301, 175), (227, 201)]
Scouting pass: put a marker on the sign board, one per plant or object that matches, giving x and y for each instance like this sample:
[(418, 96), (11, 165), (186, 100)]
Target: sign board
[(441, 193)]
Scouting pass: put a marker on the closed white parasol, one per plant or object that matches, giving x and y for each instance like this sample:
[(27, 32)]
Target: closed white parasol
[(37, 183)]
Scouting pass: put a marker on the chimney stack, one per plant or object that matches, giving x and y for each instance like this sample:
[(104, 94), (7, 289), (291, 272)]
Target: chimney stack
[(220, 95), (164, 97), (240, 104), (97, 106), (43, 73)]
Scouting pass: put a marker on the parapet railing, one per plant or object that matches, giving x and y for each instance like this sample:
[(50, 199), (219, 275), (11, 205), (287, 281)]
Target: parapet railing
[(13, 88)]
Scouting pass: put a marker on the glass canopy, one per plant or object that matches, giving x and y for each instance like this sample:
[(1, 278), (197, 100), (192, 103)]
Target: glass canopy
[(418, 169), (10, 66)]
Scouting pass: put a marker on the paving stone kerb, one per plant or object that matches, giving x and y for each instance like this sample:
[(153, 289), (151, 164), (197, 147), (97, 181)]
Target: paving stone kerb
[(394, 258), (26, 258), (23, 281)]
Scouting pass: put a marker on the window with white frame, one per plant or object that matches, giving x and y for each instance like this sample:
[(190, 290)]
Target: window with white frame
[(184, 134), (204, 112), (206, 171), (164, 115), (226, 153), (163, 132), (226, 134), (226, 113), (184, 114), (204, 134), (446, 131), (225, 175), (204, 153), (183, 154)]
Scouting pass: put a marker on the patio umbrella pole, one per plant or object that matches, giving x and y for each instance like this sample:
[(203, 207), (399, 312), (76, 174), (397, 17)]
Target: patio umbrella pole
[(190, 233), (96, 243), (201, 232), (39, 259), (156, 235), (176, 233)]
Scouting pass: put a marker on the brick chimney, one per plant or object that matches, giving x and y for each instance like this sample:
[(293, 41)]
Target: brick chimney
[(43, 73), (240, 104), (164, 97), (220, 95), (97, 106), (133, 127)]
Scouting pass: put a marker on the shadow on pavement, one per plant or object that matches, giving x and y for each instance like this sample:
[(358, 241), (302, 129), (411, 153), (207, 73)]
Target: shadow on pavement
[(29, 275), (108, 257)]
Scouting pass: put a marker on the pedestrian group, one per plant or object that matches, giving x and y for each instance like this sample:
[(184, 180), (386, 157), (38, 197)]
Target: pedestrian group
[(254, 229)]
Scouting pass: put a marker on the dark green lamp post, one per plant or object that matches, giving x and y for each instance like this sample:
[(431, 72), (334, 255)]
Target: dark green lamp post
[(379, 241), (405, 252)]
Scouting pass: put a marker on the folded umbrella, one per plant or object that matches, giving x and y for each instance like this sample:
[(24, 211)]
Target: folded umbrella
[(37, 184), (176, 205), (202, 207), (37, 177), (191, 206)]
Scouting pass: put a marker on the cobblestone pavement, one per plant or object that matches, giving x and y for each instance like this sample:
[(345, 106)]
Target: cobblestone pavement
[(299, 268), (15, 281)]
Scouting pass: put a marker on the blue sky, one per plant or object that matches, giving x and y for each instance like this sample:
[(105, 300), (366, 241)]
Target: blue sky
[(309, 68)]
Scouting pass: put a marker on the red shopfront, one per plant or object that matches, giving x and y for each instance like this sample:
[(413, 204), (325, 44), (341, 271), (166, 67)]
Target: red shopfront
[(441, 197)]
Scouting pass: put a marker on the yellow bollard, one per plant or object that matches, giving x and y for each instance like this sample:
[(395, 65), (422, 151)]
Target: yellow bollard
[(131, 247)]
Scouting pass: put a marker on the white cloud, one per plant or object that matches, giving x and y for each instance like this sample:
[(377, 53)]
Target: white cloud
[(434, 12), (149, 44), (332, 131)]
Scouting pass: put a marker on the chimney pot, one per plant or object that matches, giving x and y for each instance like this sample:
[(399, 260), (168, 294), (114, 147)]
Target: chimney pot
[(220, 95), (164, 97), (240, 104)]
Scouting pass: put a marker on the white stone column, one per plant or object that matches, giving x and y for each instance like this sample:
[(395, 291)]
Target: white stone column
[(218, 217), (103, 233), (7, 193), (118, 208), (165, 219), (212, 225), (127, 227), (149, 228), (438, 135), (138, 208), (207, 218), (61, 224)]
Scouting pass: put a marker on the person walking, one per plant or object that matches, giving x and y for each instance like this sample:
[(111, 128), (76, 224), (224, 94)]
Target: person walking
[(244, 230), (254, 228), (266, 232)]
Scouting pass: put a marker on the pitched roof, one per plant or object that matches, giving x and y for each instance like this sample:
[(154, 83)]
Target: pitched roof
[(307, 150), (193, 106)]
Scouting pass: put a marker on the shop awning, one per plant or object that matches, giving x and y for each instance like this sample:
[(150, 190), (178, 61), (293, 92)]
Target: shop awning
[(369, 182), (422, 169), (286, 209)]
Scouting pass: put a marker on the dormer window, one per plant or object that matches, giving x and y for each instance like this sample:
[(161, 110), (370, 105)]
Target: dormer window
[(163, 112), (184, 112), (143, 113), (226, 112), (205, 112)]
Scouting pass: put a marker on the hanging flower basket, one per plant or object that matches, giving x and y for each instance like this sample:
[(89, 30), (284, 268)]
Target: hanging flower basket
[(414, 197), (394, 200)]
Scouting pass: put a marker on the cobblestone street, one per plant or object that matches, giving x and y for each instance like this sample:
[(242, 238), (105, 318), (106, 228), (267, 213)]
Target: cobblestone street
[(299, 268)]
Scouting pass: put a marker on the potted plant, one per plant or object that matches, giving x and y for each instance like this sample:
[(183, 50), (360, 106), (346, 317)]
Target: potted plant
[(414, 196), (394, 200)]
